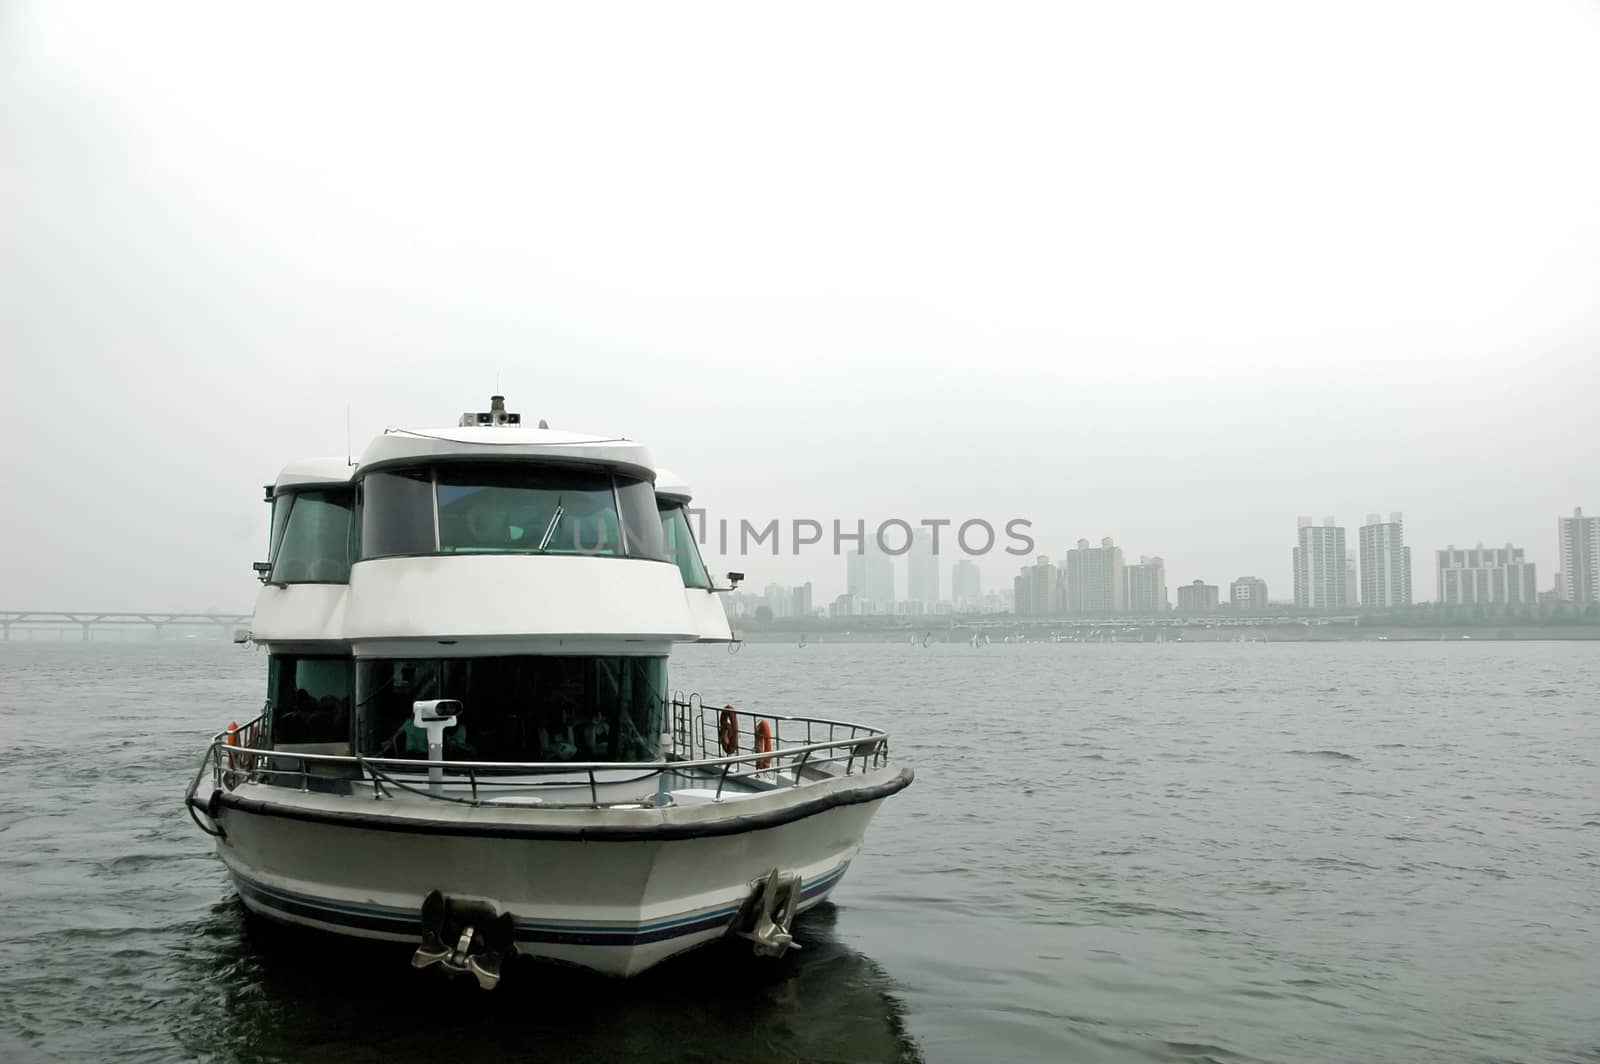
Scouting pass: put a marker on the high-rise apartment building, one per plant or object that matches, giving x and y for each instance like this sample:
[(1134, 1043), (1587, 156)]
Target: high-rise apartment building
[(869, 575), (1144, 587), (1578, 548), (1094, 578), (1037, 589), (1385, 563), (1198, 597), (802, 600), (1248, 593), (1319, 566), (965, 589), (922, 569), (1486, 576), (778, 600)]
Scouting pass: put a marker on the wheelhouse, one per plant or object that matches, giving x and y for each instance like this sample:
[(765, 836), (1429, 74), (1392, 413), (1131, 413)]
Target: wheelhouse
[(347, 667)]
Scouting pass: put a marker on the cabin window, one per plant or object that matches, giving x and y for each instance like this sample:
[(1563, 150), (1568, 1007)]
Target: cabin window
[(314, 545), (282, 502), (524, 708), (681, 547), (528, 510), (397, 514), (641, 523), (309, 700)]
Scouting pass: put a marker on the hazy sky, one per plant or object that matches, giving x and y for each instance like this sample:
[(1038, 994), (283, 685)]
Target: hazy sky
[(1174, 273)]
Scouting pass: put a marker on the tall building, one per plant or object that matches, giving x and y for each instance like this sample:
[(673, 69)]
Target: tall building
[(1486, 575), (1578, 547), (922, 569), (802, 600), (1037, 589), (1144, 587), (1198, 597), (1385, 563), (965, 589), (1319, 566), (1094, 578), (1352, 580), (870, 577), (1248, 593), (778, 600)]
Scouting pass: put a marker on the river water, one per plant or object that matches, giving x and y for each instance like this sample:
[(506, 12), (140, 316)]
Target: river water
[(1157, 852)]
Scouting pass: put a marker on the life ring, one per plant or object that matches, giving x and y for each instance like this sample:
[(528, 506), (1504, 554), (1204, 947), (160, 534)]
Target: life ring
[(233, 740), (728, 730), (763, 744)]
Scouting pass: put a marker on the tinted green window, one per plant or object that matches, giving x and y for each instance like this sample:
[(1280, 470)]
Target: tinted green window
[(524, 708), (526, 510), (315, 543), (640, 520), (281, 504), (681, 547)]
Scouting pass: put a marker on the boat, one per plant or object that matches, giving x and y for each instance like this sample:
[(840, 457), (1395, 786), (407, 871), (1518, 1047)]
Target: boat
[(469, 743)]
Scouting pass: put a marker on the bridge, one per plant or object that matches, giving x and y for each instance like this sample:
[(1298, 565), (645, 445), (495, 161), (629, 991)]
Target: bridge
[(87, 623)]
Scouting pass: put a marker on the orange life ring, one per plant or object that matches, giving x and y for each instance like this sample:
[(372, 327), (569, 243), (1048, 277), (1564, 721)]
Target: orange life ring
[(763, 744), (728, 730)]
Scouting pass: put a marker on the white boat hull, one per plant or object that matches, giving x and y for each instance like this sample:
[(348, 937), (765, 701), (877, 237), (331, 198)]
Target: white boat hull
[(616, 891)]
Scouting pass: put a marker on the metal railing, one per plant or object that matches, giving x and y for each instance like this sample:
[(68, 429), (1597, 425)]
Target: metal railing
[(703, 733), (792, 752)]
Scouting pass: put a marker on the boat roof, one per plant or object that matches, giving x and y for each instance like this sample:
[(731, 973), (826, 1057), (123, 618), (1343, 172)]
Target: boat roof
[(402, 446), (497, 434), (671, 486), (314, 472)]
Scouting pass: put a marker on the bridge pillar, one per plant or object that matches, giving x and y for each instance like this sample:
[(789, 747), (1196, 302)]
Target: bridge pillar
[(85, 631), (159, 626)]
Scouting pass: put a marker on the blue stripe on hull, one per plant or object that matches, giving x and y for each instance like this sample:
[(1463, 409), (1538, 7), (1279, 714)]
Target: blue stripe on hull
[(406, 924)]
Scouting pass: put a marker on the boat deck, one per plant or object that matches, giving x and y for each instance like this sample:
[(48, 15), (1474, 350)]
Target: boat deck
[(711, 756)]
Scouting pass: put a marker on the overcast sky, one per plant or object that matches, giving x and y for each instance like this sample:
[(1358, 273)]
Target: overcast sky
[(1173, 273)]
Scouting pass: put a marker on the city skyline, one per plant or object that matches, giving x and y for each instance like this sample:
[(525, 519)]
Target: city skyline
[(1105, 577)]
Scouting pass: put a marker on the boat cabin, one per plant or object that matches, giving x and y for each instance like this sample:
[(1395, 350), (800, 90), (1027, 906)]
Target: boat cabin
[(538, 577)]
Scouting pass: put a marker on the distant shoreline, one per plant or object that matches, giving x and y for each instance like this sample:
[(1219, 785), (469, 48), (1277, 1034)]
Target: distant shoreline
[(1290, 633)]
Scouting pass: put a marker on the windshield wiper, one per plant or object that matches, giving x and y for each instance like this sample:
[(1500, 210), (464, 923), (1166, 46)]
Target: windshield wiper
[(555, 519)]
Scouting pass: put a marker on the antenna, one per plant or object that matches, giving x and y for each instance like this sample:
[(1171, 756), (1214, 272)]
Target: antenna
[(348, 460)]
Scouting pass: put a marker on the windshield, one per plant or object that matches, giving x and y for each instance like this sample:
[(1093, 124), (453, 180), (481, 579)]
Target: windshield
[(541, 511), (315, 543)]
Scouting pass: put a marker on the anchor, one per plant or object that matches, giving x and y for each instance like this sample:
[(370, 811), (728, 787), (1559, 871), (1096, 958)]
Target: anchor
[(768, 912), (465, 937)]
